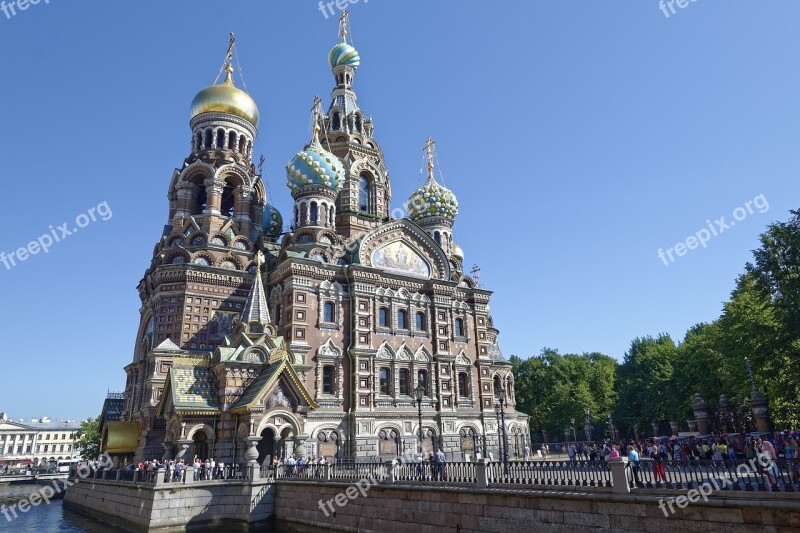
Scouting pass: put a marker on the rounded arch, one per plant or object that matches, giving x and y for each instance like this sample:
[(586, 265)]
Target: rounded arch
[(289, 422), (230, 262), (205, 428)]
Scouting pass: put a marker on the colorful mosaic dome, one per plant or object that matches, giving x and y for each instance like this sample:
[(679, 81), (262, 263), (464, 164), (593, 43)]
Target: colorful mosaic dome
[(432, 200), (315, 166), (344, 54), (272, 221)]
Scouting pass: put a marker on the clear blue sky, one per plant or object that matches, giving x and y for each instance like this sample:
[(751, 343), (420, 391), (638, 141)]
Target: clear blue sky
[(579, 136)]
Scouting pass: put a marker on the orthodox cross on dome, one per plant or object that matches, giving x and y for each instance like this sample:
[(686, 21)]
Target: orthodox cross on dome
[(261, 165), (316, 111), (344, 23), (429, 150), (475, 273)]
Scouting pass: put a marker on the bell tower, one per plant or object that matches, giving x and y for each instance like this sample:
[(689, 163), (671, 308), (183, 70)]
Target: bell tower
[(364, 200)]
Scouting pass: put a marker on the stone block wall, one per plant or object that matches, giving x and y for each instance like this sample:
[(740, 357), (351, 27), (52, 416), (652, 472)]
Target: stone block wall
[(432, 510), (232, 504)]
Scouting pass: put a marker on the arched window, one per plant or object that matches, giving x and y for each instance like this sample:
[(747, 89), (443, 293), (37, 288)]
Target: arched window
[(198, 142), (402, 319), (330, 312), (209, 139), (314, 212), (383, 317), (420, 321), (404, 382), (459, 328), (220, 139), (337, 123), (232, 141), (358, 123), (463, 384), (437, 237), (363, 194), (327, 379)]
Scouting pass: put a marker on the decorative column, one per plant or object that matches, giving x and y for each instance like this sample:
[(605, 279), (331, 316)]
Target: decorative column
[(213, 197), (183, 446), (187, 193), (700, 414), (241, 209)]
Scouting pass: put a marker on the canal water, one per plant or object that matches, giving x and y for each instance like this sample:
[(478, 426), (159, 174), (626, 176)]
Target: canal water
[(44, 518)]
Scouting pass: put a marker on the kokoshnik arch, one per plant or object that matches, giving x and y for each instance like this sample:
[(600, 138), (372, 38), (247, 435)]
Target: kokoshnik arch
[(292, 342)]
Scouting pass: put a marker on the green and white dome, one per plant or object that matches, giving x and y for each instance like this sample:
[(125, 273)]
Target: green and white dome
[(432, 200), (315, 166), (344, 54)]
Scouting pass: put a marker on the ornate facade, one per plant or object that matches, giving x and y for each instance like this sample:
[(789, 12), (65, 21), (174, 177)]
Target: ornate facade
[(257, 342)]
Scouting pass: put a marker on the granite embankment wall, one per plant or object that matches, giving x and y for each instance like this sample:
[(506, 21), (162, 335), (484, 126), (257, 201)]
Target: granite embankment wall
[(215, 505), (435, 509)]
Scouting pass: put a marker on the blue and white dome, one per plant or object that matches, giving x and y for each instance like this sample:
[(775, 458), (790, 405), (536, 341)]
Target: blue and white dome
[(344, 54), (432, 200), (315, 166), (271, 221)]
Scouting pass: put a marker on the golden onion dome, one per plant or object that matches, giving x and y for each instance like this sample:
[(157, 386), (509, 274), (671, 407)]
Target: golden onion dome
[(457, 252), (226, 98)]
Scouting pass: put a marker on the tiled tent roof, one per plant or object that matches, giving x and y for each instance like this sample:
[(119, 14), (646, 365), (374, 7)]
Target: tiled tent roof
[(192, 386)]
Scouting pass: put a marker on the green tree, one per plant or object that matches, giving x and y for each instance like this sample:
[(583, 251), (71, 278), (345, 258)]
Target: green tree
[(89, 438)]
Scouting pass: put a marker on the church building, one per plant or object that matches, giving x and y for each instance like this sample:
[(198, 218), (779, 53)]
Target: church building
[(324, 337)]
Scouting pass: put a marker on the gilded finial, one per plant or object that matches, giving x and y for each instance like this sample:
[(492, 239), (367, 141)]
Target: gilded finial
[(259, 261), (429, 150), (317, 112), (344, 22)]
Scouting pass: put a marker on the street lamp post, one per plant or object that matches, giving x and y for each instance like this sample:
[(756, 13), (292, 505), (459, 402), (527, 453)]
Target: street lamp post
[(572, 427), (611, 426), (419, 392), (587, 421), (501, 396)]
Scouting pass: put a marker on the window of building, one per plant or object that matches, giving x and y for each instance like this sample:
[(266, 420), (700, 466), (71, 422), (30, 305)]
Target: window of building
[(363, 194), (314, 212), (420, 321), (459, 328), (463, 384), (384, 377), (327, 379), (330, 312), (422, 381), (404, 389), (402, 319), (383, 317)]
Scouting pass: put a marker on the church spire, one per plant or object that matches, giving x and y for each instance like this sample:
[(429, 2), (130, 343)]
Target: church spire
[(255, 310)]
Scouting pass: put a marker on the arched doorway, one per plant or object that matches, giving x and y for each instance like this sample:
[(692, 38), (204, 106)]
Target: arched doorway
[(200, 445), (266, 447)]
